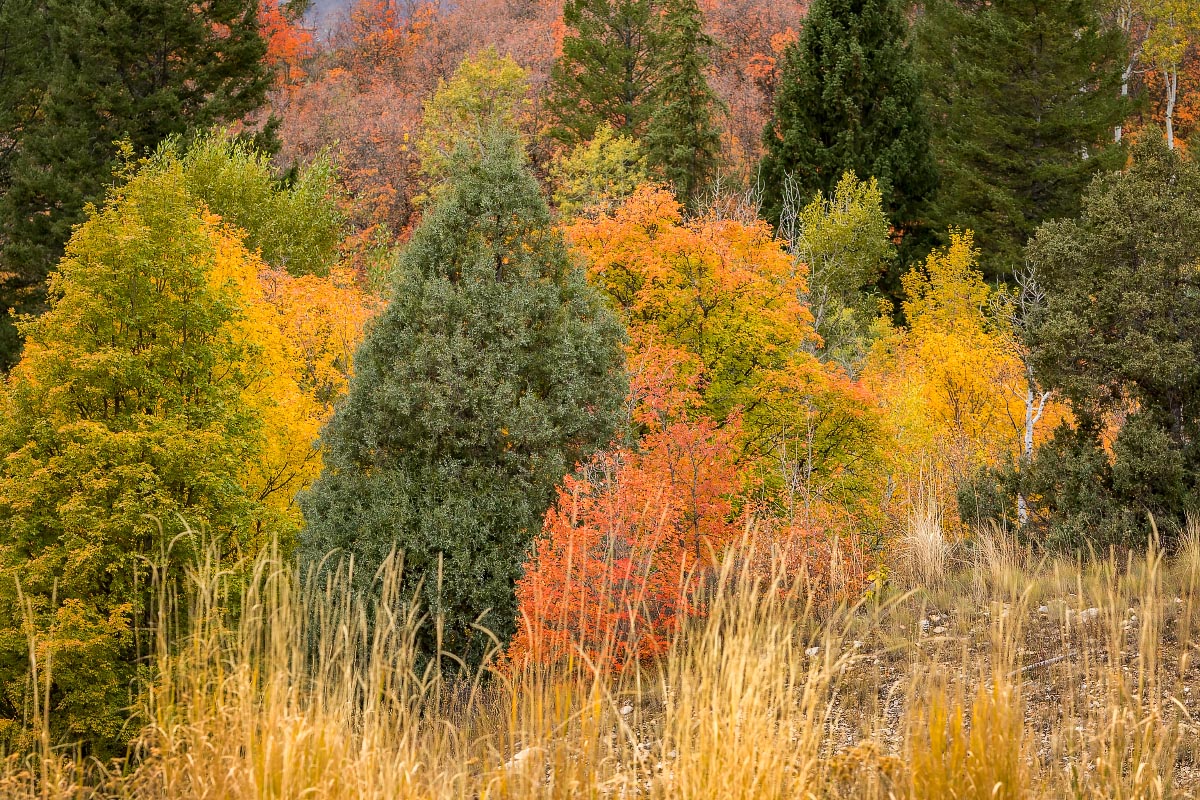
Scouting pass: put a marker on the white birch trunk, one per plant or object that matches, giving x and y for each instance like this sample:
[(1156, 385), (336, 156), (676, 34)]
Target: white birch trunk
[(1171, 78)]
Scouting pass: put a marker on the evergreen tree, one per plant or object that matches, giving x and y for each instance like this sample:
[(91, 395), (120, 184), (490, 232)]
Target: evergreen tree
[(849, 100), (102, 71), (682, 141), (1118, 339), (608, 69), (1026, 95), (139, 398), (492, 372)]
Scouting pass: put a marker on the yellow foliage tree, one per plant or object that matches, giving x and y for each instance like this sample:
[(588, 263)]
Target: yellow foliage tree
[(953, 382), (485, 92)]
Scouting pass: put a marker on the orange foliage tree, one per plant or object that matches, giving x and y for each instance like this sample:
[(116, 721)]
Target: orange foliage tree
[(636, 531), (288, 44), (725, 292)]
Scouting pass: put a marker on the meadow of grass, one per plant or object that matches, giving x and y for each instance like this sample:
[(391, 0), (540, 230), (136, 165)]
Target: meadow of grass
[(981, 671)]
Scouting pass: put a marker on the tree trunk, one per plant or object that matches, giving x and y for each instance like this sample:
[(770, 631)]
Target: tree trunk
[(1171, 79)]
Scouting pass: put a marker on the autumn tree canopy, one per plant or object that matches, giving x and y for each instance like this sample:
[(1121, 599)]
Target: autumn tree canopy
[(155, 393)]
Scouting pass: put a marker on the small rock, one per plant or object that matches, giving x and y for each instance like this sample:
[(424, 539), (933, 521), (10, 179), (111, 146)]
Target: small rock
[(1043, 609), (626, 710), (521, 757), (812, 651), (1089, 615), (940, 629), (857, 644)]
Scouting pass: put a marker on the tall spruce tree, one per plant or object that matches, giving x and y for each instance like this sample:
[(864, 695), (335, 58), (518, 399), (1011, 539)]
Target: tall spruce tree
[(608, 69), (850, 101), (1025, 95), (102, 71), (492, 372), (682, 141)]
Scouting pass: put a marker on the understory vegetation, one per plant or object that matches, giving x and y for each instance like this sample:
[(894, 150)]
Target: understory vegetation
[(1010, 676)]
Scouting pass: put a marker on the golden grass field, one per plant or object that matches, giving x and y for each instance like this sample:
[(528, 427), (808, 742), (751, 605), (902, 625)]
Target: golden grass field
[(999, 676)]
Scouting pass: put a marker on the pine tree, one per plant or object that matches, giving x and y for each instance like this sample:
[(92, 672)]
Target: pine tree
[(608, 69), (140, 398), (682, 141), (493, 371), (104, 71), (850, 101), (1026, 94)]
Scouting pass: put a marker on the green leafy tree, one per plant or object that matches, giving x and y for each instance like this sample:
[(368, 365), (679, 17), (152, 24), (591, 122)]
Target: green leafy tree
[(608, 69), (1118, 339), (137, 404), (598, 174), (1026, 95), (850, 100), (493, 371), (485, 92), (105, 71), (295, 225), (844, 242), (682, 141)]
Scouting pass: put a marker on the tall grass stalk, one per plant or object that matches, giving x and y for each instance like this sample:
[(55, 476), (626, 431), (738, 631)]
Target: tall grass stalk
[(306, 692)]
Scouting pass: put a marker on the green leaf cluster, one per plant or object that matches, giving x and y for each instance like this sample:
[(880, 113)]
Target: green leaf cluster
[(295, 226), (598, 174)]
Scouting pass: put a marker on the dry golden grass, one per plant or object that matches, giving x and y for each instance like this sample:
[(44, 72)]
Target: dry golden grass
[(1009, 679)]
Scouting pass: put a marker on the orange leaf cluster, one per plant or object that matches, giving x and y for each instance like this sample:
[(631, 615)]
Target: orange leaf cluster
[(288, 44), (635, 533)]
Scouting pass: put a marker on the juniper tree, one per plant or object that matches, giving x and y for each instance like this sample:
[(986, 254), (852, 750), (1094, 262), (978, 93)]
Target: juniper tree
[(1117, 339), (494, 369)]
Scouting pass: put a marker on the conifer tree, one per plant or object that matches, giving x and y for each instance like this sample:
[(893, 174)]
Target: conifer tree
[(105, 71), (850, 101), (1027, 95), (608, 69), (493, 371), (1117, 339), (682, 141)]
